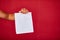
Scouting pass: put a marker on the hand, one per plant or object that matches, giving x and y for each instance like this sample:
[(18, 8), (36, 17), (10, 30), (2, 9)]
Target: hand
[(24, 10)]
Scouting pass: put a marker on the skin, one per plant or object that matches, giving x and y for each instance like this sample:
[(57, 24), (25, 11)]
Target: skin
[(11, 16)]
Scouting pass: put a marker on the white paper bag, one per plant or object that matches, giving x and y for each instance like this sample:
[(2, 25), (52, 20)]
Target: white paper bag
[(23, 23)]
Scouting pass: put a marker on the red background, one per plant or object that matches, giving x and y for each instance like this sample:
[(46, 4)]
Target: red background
[(46, 18)]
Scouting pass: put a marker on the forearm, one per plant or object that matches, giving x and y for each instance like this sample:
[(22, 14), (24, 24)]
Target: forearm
[(9, 17), (6, 16)]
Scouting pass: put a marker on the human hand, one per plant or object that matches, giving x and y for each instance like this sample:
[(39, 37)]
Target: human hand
[(24, 10)]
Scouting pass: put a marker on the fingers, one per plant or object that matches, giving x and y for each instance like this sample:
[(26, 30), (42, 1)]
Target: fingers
[(24, 10)]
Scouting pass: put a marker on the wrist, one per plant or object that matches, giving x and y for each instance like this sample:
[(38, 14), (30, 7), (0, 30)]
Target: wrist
[(11, 17)]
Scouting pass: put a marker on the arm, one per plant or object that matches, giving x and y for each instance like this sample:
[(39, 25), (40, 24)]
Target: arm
[(11, 16), (6, 16)]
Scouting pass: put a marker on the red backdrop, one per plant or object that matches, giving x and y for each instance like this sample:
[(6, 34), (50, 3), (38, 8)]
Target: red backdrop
[(46, 19)]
